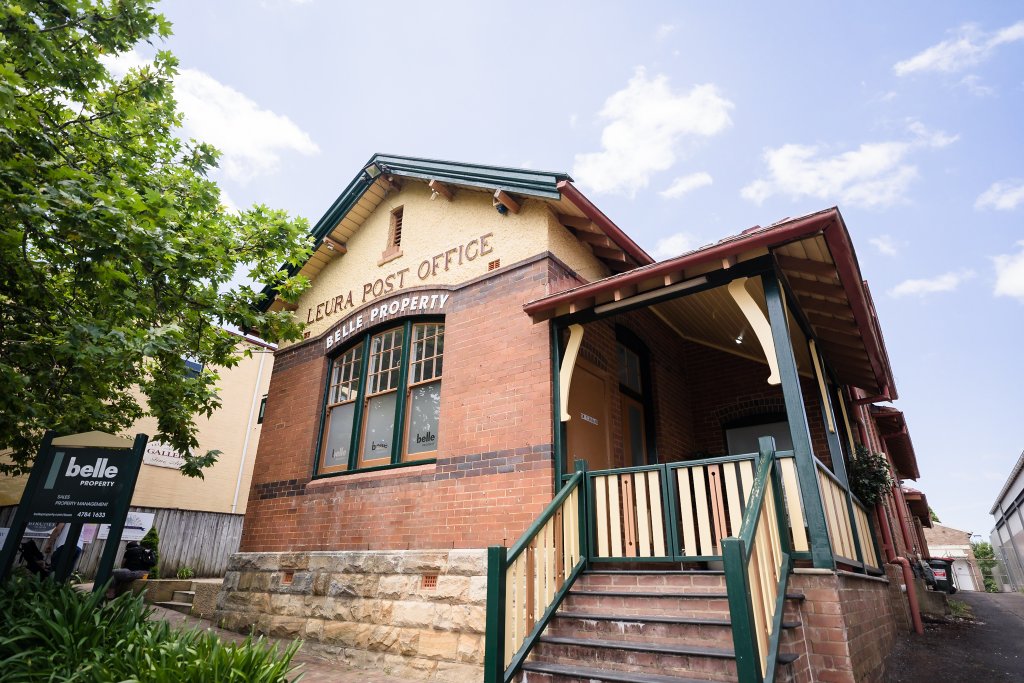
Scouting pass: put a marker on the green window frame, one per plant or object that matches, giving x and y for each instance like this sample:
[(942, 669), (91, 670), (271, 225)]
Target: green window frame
[(382, 400)]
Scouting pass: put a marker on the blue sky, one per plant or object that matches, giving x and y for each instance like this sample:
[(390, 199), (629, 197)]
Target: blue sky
[(685, 122)]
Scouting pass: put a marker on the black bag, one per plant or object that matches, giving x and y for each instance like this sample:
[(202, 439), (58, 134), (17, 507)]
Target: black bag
[(34, 559)]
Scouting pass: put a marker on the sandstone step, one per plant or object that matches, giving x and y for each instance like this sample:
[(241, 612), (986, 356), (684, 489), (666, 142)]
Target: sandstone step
[(647, 628), (183, 596), (183, 607), (543, 672), (711, 663)]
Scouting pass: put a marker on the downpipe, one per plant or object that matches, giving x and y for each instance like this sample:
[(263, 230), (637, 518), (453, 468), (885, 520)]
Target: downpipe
[(908, 574)]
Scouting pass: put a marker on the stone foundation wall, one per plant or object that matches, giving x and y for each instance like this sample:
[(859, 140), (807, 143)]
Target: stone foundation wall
[(367, 609)]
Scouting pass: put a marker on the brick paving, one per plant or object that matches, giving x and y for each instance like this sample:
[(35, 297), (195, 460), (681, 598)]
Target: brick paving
[(314, 669)]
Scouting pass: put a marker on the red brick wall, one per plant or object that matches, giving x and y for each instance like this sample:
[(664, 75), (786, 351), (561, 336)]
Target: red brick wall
[(725, 387), (493, 473)]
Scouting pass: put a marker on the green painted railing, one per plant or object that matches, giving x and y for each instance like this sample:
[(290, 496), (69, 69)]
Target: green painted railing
[(527, 582), (849, 531), (757, 566)]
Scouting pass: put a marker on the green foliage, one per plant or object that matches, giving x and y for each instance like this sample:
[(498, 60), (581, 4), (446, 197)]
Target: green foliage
[(960, 609), (870, 478), (151, 541), (985, 556), (932, 516), (186, 573), (57, 634), (117, 257)]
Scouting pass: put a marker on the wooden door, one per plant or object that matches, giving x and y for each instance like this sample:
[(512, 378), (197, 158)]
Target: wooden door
[(587, 434)]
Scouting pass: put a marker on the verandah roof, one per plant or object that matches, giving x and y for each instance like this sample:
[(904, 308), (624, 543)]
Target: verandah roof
[(815, 257)]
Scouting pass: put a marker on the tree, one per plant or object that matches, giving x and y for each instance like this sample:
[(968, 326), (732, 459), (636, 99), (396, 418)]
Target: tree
[(932, 516), (986, 559), (116, 254), (151, 541)]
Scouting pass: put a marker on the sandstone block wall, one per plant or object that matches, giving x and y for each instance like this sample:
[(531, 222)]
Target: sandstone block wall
[(367, 609)]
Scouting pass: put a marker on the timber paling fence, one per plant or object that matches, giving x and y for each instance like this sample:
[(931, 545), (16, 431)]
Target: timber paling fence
[(202, 541)]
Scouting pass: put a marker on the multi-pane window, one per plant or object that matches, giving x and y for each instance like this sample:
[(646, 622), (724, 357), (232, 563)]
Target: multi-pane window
[(629, 369), (342, 391), (391, 414)]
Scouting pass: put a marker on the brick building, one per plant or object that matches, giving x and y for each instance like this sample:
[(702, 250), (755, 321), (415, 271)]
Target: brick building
[(509, 432), (945, 541)]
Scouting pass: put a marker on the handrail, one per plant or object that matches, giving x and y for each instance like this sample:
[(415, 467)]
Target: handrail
[(757, 566), (848, 525), (527, 582)]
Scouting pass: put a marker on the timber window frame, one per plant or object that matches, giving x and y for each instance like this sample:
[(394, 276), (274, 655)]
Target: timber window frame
[(382, 399)]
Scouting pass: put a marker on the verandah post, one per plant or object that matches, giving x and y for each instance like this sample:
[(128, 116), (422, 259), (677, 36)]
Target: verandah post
[(810, 493), (494, 637), (584, 506)]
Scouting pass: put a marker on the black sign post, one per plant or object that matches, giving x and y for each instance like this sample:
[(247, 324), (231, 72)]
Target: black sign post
[(79, 479)]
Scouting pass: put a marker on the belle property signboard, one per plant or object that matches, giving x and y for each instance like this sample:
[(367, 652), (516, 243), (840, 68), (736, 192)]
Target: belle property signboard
[(81, 485), (81, 480)]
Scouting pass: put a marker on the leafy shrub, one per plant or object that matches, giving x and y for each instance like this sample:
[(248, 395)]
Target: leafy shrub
[(870, 478), (55, 633), (186, 573), (152, 541)]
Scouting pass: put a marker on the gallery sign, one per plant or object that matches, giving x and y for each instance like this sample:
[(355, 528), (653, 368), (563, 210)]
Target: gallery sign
[(160, 454)]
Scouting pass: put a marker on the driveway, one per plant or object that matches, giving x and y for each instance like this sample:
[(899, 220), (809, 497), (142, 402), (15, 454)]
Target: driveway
[(986, 650)]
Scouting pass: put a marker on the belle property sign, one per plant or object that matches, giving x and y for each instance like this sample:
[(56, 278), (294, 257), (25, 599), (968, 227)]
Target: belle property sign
[(81, 485)]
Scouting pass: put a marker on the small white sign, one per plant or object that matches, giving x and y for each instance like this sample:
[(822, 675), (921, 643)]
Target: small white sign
[(3, 535), (160, 454), (136, 525)]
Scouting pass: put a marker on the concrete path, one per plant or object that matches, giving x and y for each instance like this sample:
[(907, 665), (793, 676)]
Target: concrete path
[(314, 669), (987, 650)]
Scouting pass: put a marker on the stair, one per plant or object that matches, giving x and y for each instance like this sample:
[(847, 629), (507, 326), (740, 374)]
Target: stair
[(181, 601), (640, 626)]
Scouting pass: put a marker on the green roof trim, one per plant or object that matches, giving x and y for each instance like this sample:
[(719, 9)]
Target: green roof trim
[(517, 180)]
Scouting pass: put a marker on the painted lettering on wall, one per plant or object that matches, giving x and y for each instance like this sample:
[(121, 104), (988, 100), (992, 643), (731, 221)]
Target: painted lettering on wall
[(413, 303), (428, 269)]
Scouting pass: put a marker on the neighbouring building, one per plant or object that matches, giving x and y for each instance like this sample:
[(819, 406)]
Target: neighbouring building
[(944, 541), (199, 520), (512, 444), (1008, 535)]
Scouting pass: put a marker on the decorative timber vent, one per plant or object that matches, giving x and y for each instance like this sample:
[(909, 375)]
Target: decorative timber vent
[(287, 578), (429, 582)]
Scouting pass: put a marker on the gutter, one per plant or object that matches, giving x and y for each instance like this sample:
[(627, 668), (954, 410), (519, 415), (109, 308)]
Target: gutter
[(595, 214)]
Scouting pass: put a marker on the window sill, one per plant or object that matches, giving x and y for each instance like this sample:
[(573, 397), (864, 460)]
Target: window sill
[(389, 255), (402, 469)]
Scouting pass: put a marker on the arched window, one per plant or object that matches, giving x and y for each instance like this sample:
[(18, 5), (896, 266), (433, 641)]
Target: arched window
[(383, 399)]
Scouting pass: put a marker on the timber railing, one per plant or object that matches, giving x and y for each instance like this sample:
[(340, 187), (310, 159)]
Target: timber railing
[(757, 566), (527, 582), (849, 531)]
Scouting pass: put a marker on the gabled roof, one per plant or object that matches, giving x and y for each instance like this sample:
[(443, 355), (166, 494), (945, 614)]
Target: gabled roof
[(814, 254), (384, 173)]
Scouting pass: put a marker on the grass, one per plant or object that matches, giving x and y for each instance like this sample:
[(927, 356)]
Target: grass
[(960, 609)]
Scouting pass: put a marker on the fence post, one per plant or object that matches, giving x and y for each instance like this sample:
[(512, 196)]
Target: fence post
[(584, 495), (748, 664), (494, 638)]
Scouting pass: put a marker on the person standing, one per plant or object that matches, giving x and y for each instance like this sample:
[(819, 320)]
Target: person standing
[(57, 543)]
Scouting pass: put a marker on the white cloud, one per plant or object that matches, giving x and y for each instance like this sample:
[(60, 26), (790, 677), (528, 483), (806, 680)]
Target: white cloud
[(885, 244), (686, 183), (674, 245), (874, 174), (969, 48), (947, 282), (647, 124), (1010, 274), (228, 202), (664, 31), (573, 119), (1005, 195), (976, 87), (251, 139)]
